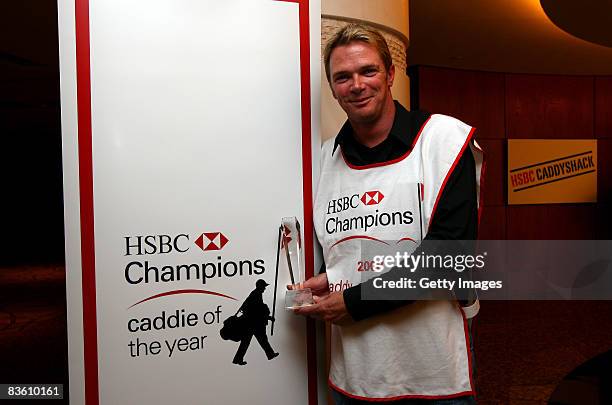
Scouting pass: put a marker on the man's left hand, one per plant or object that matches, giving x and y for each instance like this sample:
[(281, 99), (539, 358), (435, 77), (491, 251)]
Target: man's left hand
[(330, 308)]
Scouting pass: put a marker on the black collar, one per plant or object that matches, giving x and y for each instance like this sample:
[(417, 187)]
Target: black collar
[(401, 121)]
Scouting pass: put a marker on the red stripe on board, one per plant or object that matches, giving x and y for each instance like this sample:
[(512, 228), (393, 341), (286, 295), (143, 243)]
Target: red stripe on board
[(311, 341), (88, 257), (175, 292), (311, 348), (406, 238), (389, 162), (467, 142)]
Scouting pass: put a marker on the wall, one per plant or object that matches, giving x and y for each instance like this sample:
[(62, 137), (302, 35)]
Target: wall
[(521, 347), (521, 106)]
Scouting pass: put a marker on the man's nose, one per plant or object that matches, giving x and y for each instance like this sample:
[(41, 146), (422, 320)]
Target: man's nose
[(357, 84)]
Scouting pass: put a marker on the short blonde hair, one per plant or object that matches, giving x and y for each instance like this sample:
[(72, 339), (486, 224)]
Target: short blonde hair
[(357, 32)]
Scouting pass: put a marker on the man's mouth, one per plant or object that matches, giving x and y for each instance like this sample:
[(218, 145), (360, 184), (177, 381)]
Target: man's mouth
[(360, 102)]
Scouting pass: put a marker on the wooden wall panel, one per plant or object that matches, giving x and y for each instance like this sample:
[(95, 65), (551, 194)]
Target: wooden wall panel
[(604, 222), (549, 106), (553, 222), (492, 223), (528, 106), (474, 97), (603, 107), (495, 173), (604, 171)]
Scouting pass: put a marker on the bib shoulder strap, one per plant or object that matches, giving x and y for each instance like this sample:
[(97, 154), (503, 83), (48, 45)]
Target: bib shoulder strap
[(441, 144)]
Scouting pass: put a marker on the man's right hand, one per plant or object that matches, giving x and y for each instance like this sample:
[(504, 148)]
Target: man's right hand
[(318, 284)]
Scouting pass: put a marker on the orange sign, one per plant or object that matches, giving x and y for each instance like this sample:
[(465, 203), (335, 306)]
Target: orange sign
[(552, 171)]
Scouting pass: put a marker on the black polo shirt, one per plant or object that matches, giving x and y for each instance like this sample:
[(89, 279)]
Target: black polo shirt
[(456, 217)]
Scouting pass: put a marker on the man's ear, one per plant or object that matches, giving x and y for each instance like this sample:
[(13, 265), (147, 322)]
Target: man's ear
[(391, 75)]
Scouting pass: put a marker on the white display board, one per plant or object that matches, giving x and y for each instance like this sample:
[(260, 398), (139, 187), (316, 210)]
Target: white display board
[(189, 129)]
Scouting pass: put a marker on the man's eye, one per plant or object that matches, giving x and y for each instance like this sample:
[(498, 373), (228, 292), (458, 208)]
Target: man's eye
[(341, 79), (370, 72)]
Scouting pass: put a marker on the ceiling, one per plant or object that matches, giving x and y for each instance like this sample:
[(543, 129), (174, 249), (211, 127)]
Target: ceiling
[(493, 35), (512, 35)]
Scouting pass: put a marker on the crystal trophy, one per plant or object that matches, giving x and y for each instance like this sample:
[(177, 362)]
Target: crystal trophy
[(291, 250)]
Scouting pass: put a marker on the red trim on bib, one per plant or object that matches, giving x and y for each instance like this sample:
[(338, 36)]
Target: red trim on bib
[(467, 142), (385, 399), (389, 162), (358, 237)]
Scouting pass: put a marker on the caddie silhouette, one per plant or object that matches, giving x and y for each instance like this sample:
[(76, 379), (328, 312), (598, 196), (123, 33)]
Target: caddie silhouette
[(256, 315)]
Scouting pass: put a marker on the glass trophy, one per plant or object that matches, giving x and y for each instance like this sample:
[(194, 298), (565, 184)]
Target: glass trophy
[(291, 250)]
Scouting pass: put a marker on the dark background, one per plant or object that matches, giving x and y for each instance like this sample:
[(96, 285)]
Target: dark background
[(526, 349), (31, 167), (33, 337)]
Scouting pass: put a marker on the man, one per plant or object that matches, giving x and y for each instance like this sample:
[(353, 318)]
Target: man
[(415, 183), (256, 316)]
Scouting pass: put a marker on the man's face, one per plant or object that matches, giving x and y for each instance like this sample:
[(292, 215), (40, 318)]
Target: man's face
[(360, 82)]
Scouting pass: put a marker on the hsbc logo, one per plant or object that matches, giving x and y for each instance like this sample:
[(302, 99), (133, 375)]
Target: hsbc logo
[(140, 245), (147, 269), (211, 241), (156, 244), (372, 197), (337, 205)]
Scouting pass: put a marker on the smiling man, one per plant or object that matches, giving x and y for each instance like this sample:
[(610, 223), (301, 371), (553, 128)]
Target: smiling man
[(415, 177), (361, 82)]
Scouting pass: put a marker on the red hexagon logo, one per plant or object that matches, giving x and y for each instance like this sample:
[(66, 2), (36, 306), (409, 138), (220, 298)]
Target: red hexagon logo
[(211, 241), (372, 197)]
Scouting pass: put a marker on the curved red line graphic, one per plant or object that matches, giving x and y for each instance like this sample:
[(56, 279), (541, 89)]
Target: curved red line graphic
[(358, 237), (167, 293), (406, 238)]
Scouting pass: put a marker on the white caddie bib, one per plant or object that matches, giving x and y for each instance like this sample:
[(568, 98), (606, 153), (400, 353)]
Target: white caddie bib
[(419, 350)]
